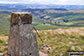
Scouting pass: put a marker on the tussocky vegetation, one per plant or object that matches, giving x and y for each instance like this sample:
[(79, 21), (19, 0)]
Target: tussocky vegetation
[(60, 41)]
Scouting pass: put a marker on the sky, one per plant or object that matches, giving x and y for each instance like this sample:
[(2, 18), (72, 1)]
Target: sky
[(57, 2)]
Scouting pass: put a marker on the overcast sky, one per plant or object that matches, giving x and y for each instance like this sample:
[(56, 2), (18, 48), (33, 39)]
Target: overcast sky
[(57, 2)]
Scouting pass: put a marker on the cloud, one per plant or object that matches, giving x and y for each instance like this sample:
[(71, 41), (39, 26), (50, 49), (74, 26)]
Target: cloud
[(7, 2), (58, 2), (70, 2)]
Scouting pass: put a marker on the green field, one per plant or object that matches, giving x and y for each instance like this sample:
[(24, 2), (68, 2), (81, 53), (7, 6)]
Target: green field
[(4, 22), (52, 19)]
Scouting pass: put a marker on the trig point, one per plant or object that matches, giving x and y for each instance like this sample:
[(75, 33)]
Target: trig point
[(22, 41)]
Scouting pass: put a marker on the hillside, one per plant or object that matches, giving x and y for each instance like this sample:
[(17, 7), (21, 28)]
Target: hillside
[(60, 41), (4, 22), (71, 18), (44, 19)]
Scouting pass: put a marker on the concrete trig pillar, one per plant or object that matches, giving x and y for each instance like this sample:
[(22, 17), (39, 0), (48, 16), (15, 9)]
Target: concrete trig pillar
[(22, 41)]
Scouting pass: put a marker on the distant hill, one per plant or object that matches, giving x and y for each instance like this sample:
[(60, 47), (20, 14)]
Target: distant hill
[(45, 19), (19, 7)]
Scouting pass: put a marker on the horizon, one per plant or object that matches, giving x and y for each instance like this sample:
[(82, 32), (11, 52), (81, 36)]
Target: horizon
[(45, 2), (37, 4)]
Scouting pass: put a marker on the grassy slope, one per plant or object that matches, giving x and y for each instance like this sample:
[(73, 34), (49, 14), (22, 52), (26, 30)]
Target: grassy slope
[(76, 18), (60, 40)]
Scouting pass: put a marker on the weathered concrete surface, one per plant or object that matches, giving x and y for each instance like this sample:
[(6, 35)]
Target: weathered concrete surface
[(22, 41), (21, 17)]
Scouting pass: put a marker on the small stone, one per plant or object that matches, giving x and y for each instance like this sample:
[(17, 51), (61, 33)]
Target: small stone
[(1, 54), (42, 54), (73, 48), (45, 40), (45, 33), (79, 48), (72, 42), (55, 51), (74, 55), (61, 54), (6, 42)]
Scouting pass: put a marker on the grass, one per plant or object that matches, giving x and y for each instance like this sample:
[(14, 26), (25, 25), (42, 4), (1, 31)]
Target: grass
[(45, 27), (4, 23), (3, 41), (60, 40)]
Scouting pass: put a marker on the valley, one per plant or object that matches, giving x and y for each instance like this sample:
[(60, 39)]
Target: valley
[(44, 19)]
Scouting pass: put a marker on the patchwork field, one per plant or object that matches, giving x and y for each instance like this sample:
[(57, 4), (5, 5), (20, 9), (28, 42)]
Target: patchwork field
[(44, 19)]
